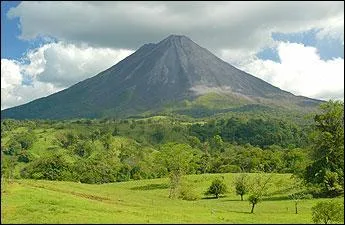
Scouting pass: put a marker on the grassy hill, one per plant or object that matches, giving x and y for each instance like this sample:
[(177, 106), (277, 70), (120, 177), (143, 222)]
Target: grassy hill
[(144, 201)]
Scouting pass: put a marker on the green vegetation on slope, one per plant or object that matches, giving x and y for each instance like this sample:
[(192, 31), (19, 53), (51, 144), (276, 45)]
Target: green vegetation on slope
[(107, 151), (100, 151), (84, 148)]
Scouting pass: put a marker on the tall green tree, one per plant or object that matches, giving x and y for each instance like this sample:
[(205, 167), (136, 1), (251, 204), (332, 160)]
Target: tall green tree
[(327, 169), (176, 159)]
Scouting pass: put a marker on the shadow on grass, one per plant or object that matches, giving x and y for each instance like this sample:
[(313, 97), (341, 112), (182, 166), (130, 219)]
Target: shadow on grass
[(213, 197), (276, 198), (234, 211), (235, 200), (151, 187)]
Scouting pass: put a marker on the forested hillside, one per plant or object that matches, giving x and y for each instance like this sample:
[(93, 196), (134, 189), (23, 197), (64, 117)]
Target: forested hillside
[(107, 150)]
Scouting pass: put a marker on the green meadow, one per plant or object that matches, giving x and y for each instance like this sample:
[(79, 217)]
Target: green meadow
[(146, 201)]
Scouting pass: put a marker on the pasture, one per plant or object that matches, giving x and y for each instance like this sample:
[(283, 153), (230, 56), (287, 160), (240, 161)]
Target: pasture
[(145, 201)]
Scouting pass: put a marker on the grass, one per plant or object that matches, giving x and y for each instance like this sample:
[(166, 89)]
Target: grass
[(219, 101), (144, 201)]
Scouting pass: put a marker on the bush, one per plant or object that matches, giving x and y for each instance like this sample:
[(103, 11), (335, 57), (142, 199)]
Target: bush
[(13, 149), (24, 156), (53, 167), (84, 149), (65, 140), (25, 140), (327, 212), (97, 169), (316, 190), (217, 188), (188, 192)]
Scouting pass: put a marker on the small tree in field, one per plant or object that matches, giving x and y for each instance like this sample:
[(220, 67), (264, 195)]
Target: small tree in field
[(217, 188), (328, 212), (254, 199), (297, 197), (298, 194), (241, 185), (258, 189)]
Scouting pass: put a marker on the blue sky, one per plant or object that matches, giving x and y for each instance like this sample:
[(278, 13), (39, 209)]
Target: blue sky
[(11, 46), (327, 48), (37, 38)]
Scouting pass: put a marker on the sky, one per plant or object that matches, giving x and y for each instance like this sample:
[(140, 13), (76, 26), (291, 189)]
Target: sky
[(49, 46)]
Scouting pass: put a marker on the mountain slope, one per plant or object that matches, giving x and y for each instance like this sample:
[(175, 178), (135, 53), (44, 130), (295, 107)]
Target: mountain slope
[(171, 71)]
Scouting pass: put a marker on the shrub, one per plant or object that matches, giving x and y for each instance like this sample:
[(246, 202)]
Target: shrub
[(24, 156), (13, 149), (98, 169), (66, 139), (188, 192), (217, 188), (53, 167), (327, 212), (25, 140)]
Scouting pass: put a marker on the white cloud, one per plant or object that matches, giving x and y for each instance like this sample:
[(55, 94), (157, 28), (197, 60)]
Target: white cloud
[(301, 71), (214, 25), (52, 68), (13, 91), (10, 74), (334, 28), (67, 64)]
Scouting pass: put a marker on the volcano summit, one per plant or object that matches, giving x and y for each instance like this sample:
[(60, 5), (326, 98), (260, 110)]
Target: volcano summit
[(175, 72)]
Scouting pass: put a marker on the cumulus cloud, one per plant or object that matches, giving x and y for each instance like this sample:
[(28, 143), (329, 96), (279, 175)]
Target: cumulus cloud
[(10, 74), (67, 64), (13, 91), (301, 71), (215, 25), (334, 28), (51, 68)]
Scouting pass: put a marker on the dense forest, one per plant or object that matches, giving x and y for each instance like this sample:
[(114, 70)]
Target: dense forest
[(110, 150)]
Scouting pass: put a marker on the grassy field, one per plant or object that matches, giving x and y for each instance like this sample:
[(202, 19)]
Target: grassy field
[(144, 201)]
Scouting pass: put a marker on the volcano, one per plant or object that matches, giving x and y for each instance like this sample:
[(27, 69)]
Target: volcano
[(174, 73)]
